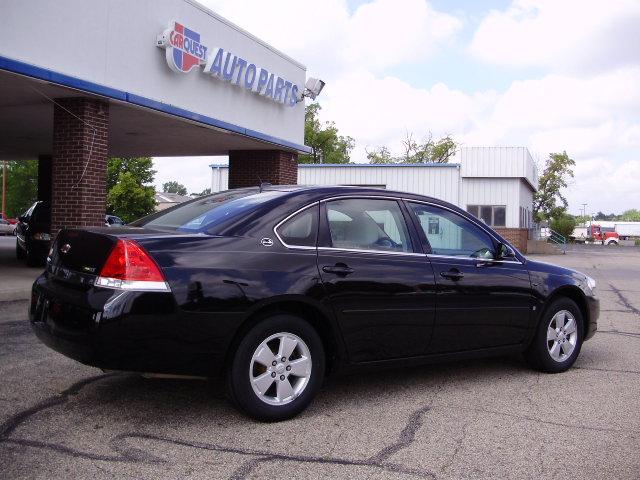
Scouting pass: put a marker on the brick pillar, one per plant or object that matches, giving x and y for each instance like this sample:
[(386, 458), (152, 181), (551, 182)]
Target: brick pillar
[(44, 178), (516, 236), (79, 163), (247, 168)]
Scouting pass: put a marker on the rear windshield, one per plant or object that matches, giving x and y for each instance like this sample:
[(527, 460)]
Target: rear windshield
[(203, 215)]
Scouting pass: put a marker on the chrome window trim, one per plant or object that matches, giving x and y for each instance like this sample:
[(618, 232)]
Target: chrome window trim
[(377, 252), (298, 247), (352, 196), (372, 197), (383, 252), (473, 221), (475, 259)]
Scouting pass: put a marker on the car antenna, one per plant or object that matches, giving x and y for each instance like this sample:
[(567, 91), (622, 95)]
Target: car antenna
[(263, 184)]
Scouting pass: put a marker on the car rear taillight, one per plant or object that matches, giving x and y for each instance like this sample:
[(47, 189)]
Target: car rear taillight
[(129, 267)]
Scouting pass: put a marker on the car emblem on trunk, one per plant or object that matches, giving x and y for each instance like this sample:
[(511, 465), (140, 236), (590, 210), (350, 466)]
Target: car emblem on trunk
[(266, 242), (65, 248)]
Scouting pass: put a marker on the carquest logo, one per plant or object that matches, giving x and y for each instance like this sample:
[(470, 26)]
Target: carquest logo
[(184, 52), (183, 47)]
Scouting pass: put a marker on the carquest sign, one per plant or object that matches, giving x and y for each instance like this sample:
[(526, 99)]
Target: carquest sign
[(184, 52)]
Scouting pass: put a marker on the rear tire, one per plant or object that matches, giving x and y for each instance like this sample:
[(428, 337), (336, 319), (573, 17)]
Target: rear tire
[(558, 339), (268, 392)]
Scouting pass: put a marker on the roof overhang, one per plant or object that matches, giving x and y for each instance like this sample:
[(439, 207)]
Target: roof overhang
[(138, 126)]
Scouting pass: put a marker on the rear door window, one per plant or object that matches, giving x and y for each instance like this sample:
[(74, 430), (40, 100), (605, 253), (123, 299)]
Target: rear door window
[(368, 224)]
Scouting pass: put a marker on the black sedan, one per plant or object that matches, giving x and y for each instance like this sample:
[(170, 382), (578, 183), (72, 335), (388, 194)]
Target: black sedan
[(33, 239), (273, 288)]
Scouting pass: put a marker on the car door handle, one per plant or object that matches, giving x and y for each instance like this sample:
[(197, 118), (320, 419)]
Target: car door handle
[(452, 274), (338, 269)]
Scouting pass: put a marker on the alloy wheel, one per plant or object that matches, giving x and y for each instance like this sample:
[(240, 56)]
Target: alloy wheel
[(562, 335), (280, 368)]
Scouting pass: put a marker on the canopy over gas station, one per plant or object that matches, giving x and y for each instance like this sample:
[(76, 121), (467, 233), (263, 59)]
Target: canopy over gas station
[(83, 80)]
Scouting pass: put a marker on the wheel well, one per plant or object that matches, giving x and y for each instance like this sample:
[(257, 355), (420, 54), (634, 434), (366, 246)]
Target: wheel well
[(309, 313), (578, 297)]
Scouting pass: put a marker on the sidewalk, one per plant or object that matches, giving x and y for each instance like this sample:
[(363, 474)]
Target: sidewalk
[(15, 277)]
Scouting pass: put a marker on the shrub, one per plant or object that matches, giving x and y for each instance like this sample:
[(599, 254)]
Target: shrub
[(564, 225)]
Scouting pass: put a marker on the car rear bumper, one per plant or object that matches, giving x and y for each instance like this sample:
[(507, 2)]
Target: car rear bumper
[(593, 305), (129, 331)]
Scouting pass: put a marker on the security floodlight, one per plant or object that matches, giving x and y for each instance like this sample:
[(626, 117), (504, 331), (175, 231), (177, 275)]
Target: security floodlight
[(312, 88)]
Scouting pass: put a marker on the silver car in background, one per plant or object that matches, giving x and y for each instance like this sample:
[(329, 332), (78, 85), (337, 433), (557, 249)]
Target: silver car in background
[(7, 228)]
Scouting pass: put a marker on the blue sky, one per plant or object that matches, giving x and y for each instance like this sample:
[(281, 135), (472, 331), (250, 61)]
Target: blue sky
[(546, 74)]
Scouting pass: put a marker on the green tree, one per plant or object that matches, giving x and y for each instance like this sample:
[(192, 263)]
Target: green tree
[(174, 187), (632, 215), (129, 193), (129, 200), (426, 151), (206, 191), (563, 224), (548, 201), (140, 167), (605, 216), (327, 146), (581, 219), (380, 155), (22, 186)]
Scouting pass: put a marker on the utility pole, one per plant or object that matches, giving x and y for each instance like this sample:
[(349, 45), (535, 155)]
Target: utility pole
[(584, 211), (4, 186)]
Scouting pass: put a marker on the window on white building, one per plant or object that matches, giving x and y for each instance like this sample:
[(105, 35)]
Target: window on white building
[(492, 215)]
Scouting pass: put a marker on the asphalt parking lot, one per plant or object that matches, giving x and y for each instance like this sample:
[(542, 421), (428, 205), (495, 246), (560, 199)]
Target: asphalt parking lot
[(480, 419)]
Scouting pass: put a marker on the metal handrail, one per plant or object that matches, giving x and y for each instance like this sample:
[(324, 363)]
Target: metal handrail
[(558, 239)]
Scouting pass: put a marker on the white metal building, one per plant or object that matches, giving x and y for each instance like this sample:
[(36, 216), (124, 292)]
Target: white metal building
[(494, 183)]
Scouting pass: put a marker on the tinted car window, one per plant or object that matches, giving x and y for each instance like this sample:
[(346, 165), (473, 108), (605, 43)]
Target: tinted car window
[(41, 214), (368, 224), (451, 234), (204, 214), (301, 229)]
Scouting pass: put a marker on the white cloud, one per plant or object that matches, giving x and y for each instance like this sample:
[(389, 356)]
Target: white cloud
[(569, 35), (192, 172), (328, 39), (380, 111), (604, 185), (585, 100), (385, 33)]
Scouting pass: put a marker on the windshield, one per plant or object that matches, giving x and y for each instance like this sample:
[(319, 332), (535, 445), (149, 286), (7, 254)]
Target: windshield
[(205, 214)]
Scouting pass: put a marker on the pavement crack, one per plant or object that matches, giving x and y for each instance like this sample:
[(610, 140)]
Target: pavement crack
[(610, 370), (618, 332), (248, 467), (527, 418), (406, 438), (14, 421), (624, 301), (465, 430)]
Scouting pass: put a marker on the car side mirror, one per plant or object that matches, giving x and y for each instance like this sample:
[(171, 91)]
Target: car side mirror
[(504, 252)]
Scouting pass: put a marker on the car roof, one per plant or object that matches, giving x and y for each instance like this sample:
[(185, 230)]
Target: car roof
[(338, 190)]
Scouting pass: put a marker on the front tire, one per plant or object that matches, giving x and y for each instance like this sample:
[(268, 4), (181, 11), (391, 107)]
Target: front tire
[(277, 368), (558, 339)]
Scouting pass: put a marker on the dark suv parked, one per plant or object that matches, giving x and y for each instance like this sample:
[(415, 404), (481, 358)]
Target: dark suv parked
[(270, 288), (33, 239)]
